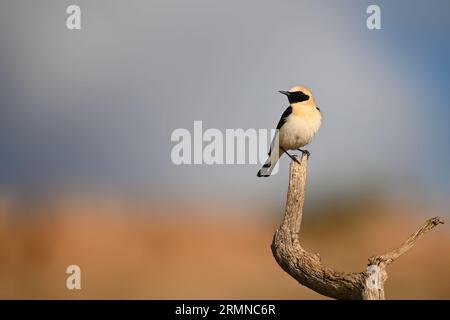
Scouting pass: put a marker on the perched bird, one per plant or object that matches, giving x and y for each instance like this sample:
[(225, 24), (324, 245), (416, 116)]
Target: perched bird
[(297, 127)]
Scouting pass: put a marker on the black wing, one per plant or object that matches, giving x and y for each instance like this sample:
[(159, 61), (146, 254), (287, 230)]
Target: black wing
[(282, 121), (284, 116)]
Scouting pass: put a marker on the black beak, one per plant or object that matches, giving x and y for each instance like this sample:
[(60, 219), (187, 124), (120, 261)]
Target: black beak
[(286, 93)]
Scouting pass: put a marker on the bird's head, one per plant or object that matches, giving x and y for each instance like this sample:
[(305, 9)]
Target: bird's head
[(299, 94)]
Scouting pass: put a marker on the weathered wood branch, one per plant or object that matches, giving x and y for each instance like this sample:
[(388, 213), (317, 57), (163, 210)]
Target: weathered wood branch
[(307, 268)]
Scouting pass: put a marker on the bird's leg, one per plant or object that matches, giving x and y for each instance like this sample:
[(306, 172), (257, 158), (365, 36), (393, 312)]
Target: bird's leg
[(305, 151), (290, 156)]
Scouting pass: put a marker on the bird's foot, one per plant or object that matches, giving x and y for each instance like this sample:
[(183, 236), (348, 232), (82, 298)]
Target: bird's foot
[(305, 152), (292, 157), (295, 158)]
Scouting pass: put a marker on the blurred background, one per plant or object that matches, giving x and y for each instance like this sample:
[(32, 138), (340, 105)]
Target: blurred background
[(85, 124)]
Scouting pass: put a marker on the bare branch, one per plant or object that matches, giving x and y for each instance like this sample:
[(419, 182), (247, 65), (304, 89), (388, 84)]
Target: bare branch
[(391, 256), (307, 268)]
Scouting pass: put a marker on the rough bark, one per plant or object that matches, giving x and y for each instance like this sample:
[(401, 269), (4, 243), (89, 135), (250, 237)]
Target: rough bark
[(306, 267)]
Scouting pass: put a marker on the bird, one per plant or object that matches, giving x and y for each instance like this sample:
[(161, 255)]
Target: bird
[(297, 127)]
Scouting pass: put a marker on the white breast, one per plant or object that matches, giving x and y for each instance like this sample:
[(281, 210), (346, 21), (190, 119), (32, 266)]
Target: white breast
[(299, 131)]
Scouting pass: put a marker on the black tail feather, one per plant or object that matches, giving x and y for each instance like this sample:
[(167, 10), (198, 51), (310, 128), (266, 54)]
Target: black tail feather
[(260, 172)]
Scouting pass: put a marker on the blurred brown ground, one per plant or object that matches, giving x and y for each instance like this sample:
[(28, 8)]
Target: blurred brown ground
[(135, 249)]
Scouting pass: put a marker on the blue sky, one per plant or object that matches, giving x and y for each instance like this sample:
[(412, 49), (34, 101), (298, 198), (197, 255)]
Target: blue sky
[(98, 106)]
